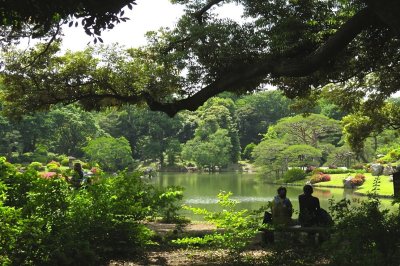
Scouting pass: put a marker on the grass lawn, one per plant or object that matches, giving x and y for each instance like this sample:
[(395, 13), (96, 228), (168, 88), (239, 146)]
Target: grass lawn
[(385, 186)]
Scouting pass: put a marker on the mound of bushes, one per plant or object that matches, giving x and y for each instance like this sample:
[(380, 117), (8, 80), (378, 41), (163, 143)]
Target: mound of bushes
[(390, 157), (365, 234), (319, 177), (36, 166), (357, 180), (293, 175)]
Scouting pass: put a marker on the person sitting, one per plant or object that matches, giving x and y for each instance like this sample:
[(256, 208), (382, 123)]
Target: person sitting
[(77, 177), (281, 208), (309, 207)]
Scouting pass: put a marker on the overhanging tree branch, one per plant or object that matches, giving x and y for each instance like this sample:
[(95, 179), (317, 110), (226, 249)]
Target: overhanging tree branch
[(297, 67), (199, 14)]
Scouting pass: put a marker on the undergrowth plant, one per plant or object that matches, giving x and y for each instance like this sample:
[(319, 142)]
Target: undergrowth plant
[(365, 234), (47, 222), (235, 228)]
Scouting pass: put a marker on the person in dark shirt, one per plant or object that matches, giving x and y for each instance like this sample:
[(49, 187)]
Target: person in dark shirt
[(77, 177), (309, 207)]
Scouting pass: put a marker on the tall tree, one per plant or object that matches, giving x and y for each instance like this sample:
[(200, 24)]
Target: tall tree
[(310, 130), (256, 112), (219, 113), (149, 133), (367, 122), (212, 152), (113, 154)]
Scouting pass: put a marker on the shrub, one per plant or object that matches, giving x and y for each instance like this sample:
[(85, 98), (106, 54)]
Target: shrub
[(293, 175), (48, 175), (358, 166), (332, 166), (36, 166), (168, 207), (45, 222), (95, 170), (390, 157), (357, 180), (65, 162), (320, 177), (25, 157), (53, 163), (239, 226), (365, 234), (248, 150), (11, 226), (310, 169), (340, 171), (361, 176), (53, 167)]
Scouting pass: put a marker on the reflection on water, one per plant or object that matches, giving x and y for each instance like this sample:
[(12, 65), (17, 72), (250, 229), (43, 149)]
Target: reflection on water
[(251, 191)]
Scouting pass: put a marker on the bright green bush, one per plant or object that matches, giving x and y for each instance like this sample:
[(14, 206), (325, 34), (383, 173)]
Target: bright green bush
[(294, 174), (18, 184), (10, 228), (240, 226), (248, 150), (53, 163), (390, 157), (36, 166), (168, 204), (64, 162)]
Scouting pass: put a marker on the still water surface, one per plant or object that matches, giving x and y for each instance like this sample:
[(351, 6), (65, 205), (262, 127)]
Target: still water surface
[(201, 189)]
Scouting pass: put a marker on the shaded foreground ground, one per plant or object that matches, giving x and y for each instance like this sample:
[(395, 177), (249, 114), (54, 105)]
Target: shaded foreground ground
[(257, 253)]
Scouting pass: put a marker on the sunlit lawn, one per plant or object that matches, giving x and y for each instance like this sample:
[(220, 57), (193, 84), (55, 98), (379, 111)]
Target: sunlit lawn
[(385, 186)]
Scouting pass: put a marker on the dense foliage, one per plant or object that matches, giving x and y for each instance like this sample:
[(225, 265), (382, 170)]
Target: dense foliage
[(298, 46), (39, 19), (366, 234), (47, 222), (112, 154), (217, 135), (237, 227)]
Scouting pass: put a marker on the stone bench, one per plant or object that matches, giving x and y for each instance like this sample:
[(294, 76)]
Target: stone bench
[(315, 233)]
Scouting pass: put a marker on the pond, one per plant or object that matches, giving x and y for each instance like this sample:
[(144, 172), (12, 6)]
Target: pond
[(201, 189)]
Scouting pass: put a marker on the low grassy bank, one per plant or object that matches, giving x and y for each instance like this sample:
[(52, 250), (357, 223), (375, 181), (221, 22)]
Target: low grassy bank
[(385, 188)]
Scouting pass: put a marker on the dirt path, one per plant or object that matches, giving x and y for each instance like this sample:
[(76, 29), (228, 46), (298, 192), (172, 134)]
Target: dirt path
[(255, 254), (179, 256)]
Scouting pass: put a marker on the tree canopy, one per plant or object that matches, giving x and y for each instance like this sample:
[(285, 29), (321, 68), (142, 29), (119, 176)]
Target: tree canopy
[(36, 19), (298, 46)]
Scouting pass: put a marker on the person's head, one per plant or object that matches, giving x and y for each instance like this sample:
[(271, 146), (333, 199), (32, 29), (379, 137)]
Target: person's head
[(282, 192), (308, 190), (77, 166)]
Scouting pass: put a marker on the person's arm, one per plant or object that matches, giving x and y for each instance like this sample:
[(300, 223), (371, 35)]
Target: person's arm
[(300, 202), (290, 207), (317, 204)]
